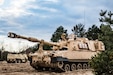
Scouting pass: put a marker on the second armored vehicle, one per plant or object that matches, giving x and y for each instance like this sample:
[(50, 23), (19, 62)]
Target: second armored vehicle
[(16, 58)]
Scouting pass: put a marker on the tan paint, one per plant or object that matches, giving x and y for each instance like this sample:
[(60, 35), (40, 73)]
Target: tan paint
[(71, 47)]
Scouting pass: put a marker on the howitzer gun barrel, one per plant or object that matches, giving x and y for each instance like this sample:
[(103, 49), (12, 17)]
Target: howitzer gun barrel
[(13, 35)]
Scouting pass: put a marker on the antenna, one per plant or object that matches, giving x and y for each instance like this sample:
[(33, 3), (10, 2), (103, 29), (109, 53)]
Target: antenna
[(84, 16)]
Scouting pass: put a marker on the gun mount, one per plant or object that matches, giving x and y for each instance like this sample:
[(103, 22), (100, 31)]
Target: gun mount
[(67, 55)]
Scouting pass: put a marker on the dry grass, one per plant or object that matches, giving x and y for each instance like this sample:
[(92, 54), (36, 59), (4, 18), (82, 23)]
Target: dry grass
[(26, 69)]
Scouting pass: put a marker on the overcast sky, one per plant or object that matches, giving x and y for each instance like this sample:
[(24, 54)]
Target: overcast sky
[(40, 18)]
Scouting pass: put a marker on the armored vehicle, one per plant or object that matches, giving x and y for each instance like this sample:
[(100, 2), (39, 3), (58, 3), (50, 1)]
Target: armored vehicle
[(69, 54), (16, 58)]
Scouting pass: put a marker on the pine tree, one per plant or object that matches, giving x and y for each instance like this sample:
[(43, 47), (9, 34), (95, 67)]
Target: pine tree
[(57, 34), (93, 32), (107, 32), (79, 30), (102, 63)]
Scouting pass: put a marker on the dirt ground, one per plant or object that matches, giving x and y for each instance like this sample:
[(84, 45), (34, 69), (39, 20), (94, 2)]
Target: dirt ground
[(26, 69)]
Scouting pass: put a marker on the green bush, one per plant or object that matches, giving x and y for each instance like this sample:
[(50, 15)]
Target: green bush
[(102, 63)]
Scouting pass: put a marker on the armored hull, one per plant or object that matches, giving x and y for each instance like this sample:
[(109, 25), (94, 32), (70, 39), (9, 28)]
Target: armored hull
[(63, 60)]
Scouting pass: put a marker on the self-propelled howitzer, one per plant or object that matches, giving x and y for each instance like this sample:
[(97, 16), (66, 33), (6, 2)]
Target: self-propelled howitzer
[(70, 53)]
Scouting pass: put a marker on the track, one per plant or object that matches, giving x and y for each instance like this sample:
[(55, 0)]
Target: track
[(26, 69)]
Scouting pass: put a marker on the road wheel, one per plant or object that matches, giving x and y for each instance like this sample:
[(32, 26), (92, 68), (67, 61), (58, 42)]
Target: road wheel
[(66, 67), (16, 61), (85, 66), (19, 61), (73, 67), (79, 66), (35, 67), (41, 68), (60, 64), (47, 69)]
